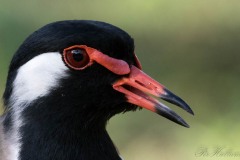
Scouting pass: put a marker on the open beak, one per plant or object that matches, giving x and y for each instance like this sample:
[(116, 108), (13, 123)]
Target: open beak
[(137, 86)]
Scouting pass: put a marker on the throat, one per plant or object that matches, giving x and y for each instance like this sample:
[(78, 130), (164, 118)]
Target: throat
[(61, 127), (49, 133), (59, 144)]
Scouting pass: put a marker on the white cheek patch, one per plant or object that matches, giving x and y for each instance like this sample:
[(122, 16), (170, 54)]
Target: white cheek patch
[(34, 79)]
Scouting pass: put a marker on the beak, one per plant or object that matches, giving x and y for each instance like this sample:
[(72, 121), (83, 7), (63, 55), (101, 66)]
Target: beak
[(137, 87)]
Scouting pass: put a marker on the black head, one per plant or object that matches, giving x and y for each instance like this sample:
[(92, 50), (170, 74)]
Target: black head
[(40, 75), (88, 91), (66, 80)]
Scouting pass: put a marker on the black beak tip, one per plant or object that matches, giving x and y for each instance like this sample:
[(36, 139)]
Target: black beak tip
[(182, 123), (186, 125), (191, 111), (186, 107), (171, 115), (172, 98)]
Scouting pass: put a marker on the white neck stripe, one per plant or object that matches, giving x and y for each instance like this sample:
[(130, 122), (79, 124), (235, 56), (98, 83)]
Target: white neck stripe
[(34, 79)]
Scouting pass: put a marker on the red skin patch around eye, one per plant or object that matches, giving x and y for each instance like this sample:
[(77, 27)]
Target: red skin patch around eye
[(117, 66)]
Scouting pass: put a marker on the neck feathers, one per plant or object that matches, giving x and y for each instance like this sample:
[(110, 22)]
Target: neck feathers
[(58, 134)]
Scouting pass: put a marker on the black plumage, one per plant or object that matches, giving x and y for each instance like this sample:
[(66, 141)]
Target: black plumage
[(70, 121), (66, 124)]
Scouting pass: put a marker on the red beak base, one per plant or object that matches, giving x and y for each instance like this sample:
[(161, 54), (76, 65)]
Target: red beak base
[(136, 87)]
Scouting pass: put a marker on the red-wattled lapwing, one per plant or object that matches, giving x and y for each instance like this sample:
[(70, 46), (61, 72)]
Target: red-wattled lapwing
[(65, 82)]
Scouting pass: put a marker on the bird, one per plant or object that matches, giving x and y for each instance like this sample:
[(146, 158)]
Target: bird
[(65, 81)]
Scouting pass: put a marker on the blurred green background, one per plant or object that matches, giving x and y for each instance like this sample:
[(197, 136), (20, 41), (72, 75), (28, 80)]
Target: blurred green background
[(192, 47)]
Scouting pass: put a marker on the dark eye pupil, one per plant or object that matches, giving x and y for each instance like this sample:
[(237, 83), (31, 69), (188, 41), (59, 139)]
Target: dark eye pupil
[(76, 58), (77, 55)]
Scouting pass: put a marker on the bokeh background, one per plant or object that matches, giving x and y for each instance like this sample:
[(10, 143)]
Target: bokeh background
[(192, 47)]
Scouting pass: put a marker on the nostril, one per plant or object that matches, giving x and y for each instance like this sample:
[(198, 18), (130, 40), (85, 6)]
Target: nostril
[(148, 86)]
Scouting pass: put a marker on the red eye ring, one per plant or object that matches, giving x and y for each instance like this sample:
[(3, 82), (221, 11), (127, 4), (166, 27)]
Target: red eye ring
[(91, 55), (76, 57)]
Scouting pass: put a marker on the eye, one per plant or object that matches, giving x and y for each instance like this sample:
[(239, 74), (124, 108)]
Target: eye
[(76, 58)]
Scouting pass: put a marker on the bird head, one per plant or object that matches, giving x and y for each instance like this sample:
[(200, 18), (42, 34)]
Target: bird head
[(86, 71)]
